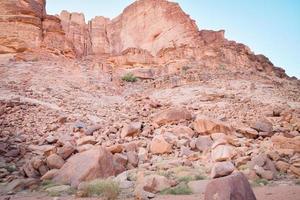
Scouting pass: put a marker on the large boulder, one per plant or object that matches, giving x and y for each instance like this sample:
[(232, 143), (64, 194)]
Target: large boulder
[(172, 115), (233, 187), (86, 166), (205, 125), (281, 142)]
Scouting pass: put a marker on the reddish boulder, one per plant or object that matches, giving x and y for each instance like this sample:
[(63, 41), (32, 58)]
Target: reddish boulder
[(206, 125), (172, 115), (233, 187), (86, 166)]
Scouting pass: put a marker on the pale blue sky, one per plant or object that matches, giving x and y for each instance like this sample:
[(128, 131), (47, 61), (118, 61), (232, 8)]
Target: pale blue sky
[(269, 27)]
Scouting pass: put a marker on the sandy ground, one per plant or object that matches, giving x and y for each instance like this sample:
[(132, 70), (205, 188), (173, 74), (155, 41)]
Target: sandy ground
[(262, 193)]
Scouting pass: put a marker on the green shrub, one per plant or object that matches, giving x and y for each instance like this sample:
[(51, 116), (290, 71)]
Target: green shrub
[(129, 77), (48, 184), (180, 189), (186, 179), (200, 177), (260, 182), (107, 189)]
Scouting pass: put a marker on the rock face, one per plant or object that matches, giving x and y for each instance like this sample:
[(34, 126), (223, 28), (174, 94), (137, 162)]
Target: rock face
[(128, 30), (25, 25), (86, 166), (21, 25), (135, 36)]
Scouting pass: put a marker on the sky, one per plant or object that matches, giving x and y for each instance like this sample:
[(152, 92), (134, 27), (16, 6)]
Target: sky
[(269, 27)]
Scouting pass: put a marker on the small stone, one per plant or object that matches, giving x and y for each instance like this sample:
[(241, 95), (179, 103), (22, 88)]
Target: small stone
[(51, 139)]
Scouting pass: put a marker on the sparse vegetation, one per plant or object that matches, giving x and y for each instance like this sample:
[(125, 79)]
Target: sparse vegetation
[(297, 182), (222, 67), (55, 190), (167, 174), (243, 167), (186, 179), (129, 77), (48, 184), (107, 189), (260, 182), (180, 189), (200, 177)]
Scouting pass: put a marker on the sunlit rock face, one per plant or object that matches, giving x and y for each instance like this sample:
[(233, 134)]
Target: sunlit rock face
[(152, 25), (20, 24), (76, 31), (146, 32)]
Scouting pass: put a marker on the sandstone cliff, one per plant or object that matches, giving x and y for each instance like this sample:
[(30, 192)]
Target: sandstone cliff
[(147, 32)]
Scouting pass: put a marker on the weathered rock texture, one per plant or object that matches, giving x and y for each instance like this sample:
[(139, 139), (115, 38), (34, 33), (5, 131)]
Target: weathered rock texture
[(24, 25), (20, 24), (147, 32)]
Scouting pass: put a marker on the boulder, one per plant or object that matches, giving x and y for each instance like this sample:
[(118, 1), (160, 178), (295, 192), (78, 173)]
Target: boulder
[(198, 187), (133, 158), (206, 125), (281, 142), (221, 169), (66, 151), (86, 140), (262, 160), (233, 187), (222, 153), (248, 132), (131, 129), (159, 145), (263, 125), (156, 183), (120, 162), (86, 166), (182, 131), (295, 170), (117, 148), (49, 174), (172, 115), (282, 166), (203, 143), (265, 174), (54, 161)]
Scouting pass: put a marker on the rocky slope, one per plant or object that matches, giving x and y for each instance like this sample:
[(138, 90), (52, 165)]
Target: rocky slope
[(156, 105)]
